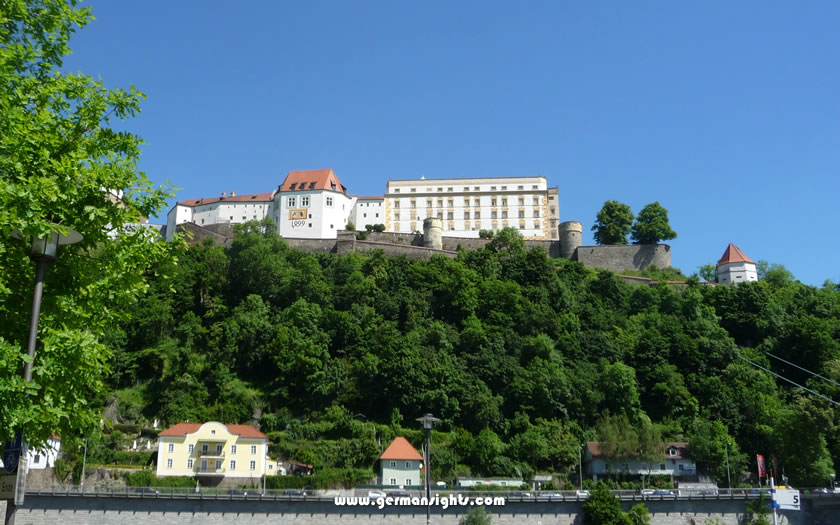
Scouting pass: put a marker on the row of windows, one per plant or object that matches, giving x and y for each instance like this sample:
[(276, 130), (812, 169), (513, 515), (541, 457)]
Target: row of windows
[(408, 481), (252, 465), (408, 464), (475, 215), (468, 226), (205, 448), (475, 188), (476, 202), (681, 466)]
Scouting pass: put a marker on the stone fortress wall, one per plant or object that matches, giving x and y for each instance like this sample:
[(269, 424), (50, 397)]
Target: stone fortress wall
[(616, 258)]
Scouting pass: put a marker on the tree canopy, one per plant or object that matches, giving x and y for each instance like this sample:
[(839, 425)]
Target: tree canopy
[(612, 224), (63, 165), (652, 225)]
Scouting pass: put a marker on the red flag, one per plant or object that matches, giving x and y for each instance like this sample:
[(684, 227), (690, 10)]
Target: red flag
[(762, 471)]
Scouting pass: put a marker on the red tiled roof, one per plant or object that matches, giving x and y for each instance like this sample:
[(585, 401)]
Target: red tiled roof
[(254, 197), (400, 448), (182, 429), (594, 448), (312, 180), (733, 254)]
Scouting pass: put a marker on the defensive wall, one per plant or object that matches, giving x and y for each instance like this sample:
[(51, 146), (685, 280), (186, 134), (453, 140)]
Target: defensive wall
[(616, 258), (91, 509)]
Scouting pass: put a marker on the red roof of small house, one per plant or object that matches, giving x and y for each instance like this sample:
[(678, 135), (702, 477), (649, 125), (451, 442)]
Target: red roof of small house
[(305, 180), (594, 448), (400, 448), (254, 197), (733, 254), (182, 429)]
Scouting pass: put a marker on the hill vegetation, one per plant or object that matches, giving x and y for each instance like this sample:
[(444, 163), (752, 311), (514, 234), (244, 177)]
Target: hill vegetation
[(523, 358)]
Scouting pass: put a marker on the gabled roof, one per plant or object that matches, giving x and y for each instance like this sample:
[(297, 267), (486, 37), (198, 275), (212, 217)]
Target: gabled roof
[(182, 429), (254, 197), (594, 448), (305, 180), (400, 448), (733, 254)]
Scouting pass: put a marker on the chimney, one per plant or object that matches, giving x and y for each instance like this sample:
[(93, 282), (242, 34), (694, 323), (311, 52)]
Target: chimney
[(233, 194), (224, 194)]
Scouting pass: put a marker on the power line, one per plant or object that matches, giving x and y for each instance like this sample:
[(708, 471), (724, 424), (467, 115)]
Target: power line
[(833, 402), (803, 369)]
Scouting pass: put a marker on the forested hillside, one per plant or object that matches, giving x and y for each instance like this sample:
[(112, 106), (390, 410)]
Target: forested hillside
[(523, 358)]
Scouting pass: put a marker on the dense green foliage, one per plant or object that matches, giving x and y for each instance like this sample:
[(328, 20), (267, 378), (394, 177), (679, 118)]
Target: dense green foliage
[(652, 225), (66, 161), (612, 224), (521, 356), (475, 516)]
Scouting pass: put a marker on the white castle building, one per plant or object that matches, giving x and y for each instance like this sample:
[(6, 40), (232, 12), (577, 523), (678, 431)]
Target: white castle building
[(314, 204)]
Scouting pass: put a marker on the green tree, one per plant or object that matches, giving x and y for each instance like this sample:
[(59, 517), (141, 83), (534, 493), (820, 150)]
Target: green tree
[(639, 514), (612, 224), (603, 508), (62, 165), (652, 225), (475, 516), (708, 272), (710, 444)]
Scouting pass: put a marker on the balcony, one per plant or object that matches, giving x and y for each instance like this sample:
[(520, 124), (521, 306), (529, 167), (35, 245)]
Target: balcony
[(210, 471), (211, 454)]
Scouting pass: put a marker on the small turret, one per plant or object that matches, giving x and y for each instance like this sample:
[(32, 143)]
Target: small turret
[(432, 233), (570, 233)]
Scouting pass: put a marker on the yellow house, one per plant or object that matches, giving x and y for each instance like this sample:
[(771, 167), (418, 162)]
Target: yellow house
[(214, 450)]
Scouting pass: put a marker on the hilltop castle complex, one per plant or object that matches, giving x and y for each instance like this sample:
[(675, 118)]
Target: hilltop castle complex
[(422, 217)]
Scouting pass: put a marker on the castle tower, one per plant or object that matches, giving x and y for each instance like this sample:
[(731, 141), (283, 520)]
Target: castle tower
[(735, 267), (570, 238), (432, 233)]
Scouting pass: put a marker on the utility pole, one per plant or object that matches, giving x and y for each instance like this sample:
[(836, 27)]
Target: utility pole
[(728, 478)]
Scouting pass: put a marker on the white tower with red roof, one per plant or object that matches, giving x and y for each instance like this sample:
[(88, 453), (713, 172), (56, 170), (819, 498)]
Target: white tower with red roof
[(735, 267)]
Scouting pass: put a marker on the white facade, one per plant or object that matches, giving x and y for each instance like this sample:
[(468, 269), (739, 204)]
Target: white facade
[(674, 462), (368, 211), (45, 457), (467, 206), (737, 272), (233, 209), (311, 214), (401, 472)]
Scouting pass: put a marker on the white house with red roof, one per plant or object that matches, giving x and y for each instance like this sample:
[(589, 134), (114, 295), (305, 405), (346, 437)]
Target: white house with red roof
[(44, 457), (735, 267), (400, 465), (675, 461), (214, 450), (311, 204)]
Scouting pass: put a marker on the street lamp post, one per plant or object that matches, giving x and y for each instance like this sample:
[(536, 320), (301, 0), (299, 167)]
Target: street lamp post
[(428, 422), (728, 478), (43, 250), (84, 464), (580, 466)]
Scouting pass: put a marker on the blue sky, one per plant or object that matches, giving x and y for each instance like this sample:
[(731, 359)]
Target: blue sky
[(727, 113)]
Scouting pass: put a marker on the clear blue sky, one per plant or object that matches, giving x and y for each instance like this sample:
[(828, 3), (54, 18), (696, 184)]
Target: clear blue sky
[(727, 113)]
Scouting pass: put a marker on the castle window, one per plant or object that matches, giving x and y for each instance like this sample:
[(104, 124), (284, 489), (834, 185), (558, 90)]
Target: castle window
[(493, 202), (413, 204), (440, 215), (396, 204), (476, 188), (504, 214), (536, 201), (493, 214), (396, 190), (413, 190), (536, 213), (521, 214), (520, 187), (466, 188), (536, 225), (504, 201), (504, 188), (466, 215), (329, 202), (440, 203), (449, 189), (450, 215), (522, 201), (292, 187), (477, 214), (450, 203), (304, 201), (440, 189), (492, 188), (311, 185)]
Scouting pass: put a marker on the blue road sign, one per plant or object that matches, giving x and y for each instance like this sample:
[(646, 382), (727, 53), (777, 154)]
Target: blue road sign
[(11, 453)]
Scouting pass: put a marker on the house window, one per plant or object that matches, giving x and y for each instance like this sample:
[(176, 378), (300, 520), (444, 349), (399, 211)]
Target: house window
[(252, 465), (304, 201), (504, 202), (218, 464), (219, 449), (521, 214), (397, 204), (522, 201), (396, 190), (329, 202), (476, 188), (233, 449), (504, 214), (450, 203), (520, 187), (440, 203), (504, 188), (171, 447), (466, 188), (190, 463), (203, 465), (440, 189), (393, 481), (292, 201), (478, 215), (233, 464), (440, 215), (536, 225), (408, 464), (535, 187), (204, 448), (393, 464), (253, 449), (466, 215), (169, 463), (682, 467), (493, 214), (607, 467), (492, 202), (536, 213), (190, 448), (429, 203), (450, 215), (38, 459), (407, 481), (662, 466), (413, 190), (536, 201), (492, 188), (449, 188), (413, 204), (270, 467)]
